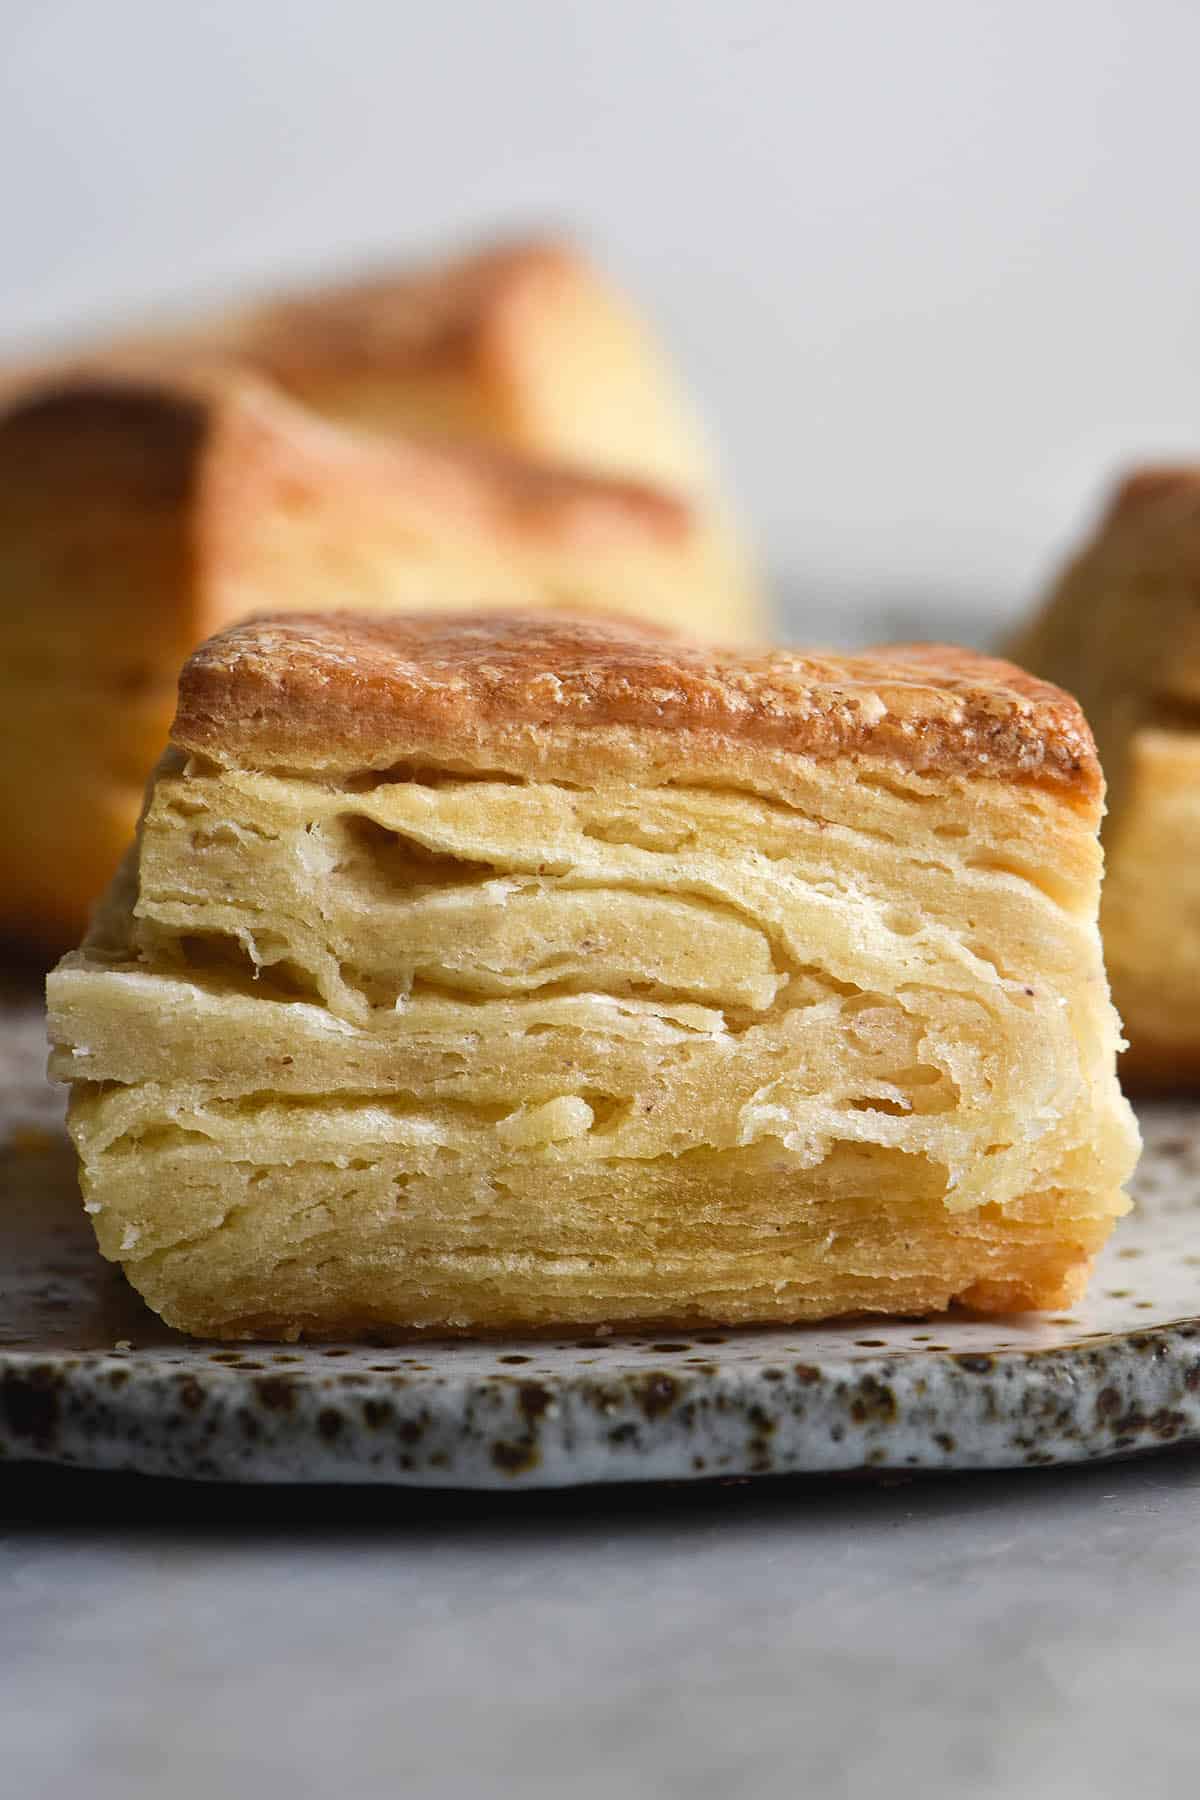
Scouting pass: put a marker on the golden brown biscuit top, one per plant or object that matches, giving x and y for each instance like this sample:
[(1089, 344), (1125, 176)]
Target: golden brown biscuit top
[(407, 319), (341, 690), (1146, 487)]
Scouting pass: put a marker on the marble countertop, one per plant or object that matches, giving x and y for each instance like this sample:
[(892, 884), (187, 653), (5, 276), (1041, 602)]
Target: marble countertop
[(1029, 1634)]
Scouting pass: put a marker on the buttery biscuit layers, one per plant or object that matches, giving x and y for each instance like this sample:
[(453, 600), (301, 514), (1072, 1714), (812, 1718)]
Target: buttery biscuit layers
[(1121, 630), (480, 973), (141, 513)]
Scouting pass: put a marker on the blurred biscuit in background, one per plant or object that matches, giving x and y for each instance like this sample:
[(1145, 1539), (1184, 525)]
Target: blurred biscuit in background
[(523, 345), (140, 512), (1121, 630), (150, 498)]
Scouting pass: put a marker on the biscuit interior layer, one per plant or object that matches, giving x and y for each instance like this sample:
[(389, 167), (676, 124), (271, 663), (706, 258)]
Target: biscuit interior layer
[(409, 1048)]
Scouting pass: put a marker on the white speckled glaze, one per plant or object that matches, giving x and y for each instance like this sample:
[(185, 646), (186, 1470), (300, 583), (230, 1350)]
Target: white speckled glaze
[(88, 1377)]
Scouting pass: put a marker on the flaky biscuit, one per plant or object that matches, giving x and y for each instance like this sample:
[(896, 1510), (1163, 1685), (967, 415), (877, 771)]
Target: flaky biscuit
[(490, 973)]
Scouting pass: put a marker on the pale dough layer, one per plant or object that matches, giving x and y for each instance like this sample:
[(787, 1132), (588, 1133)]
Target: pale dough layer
[(408, 1049)]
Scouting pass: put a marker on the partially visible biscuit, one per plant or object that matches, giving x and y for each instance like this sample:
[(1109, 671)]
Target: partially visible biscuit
[(524, 345), (1121, 629), (491, 973), (141, 512)]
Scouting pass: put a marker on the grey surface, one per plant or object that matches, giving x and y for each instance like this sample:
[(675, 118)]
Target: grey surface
[(1022, 1635)]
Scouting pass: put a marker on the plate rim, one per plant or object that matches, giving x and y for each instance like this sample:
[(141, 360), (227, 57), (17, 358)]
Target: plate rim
[(256, 1418)]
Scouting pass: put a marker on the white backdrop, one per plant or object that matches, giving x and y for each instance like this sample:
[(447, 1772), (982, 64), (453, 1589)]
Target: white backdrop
[(932, 265)]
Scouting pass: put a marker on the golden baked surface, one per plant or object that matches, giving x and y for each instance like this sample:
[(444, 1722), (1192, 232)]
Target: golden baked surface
[(361, 689), (632, 1015), (1120, 628), (140, 512)]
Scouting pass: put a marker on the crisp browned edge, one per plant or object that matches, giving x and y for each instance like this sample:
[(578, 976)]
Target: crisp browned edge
[(356, 690)]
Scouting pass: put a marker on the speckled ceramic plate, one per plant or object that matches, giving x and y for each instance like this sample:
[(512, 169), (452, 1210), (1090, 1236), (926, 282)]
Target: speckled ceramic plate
[(88, 1377)]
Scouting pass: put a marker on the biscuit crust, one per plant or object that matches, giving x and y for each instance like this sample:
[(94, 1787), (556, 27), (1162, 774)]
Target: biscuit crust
[(354, 690)]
